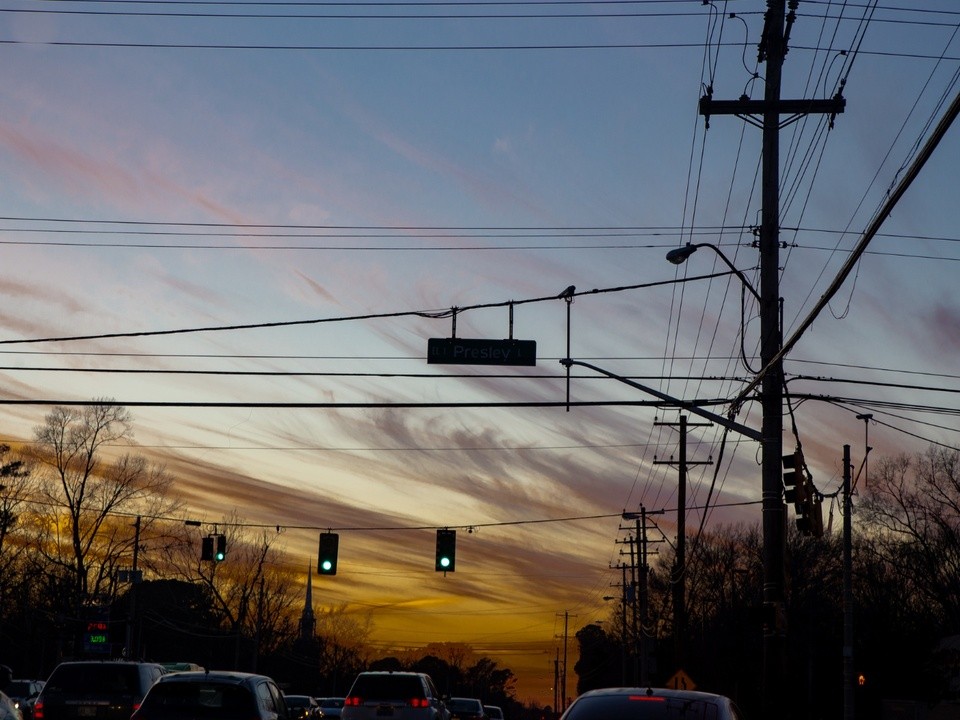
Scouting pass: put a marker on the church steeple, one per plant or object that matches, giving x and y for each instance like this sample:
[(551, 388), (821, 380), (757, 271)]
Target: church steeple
[(308, 623)]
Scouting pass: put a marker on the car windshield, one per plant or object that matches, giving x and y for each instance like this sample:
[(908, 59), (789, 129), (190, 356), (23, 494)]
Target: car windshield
[(93, 677), (641, 707), (387, 687), (206, 698)]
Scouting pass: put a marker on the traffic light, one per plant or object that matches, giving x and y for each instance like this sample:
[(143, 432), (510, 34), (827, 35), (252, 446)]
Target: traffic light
[(221, 553), (799, 490), (327, 557), (794, 483), (446, 550), (206, 548), (810, 514)]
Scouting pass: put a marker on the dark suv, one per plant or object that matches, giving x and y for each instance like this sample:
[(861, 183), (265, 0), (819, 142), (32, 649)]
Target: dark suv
[(95, 690), (213, 695), (396, 695)]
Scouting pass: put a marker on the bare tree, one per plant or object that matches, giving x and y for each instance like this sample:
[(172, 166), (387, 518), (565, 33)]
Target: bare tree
[(343, 639), (93, 493), (255, 595), (15, 481), (913, 506)]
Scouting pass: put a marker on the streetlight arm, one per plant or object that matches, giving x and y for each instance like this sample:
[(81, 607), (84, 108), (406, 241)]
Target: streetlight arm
[(679, 255)]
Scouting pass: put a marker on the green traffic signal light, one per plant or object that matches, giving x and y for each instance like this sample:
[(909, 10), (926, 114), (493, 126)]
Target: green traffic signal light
[(221, 553), (446, 560), (327, 557)]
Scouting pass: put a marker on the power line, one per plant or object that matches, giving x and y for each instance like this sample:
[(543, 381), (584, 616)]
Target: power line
[(438, 314)]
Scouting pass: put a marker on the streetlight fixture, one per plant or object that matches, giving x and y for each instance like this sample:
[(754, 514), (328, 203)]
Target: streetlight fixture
[(679, 255)]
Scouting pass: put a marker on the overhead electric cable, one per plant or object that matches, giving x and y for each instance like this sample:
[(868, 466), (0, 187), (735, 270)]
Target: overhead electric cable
[(865, 240), (432, 314)]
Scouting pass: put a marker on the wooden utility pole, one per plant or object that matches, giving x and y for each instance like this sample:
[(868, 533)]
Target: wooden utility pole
[(848, 675), (679, 578), (640, 595), (772, 50)]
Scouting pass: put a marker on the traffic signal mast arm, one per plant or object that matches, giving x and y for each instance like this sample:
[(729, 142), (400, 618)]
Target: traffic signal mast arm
[(682, 404)]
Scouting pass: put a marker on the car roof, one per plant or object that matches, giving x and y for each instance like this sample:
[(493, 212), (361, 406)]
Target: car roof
[(659, 692), (108, 662), (224, 676), (392, 672)]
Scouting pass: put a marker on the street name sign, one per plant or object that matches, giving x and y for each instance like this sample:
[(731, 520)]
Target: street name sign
[(461, 351)]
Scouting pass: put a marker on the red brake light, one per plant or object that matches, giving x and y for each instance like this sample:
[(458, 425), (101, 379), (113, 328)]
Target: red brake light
[(646, 698), (38, 710), (353, 701), (418, 703)]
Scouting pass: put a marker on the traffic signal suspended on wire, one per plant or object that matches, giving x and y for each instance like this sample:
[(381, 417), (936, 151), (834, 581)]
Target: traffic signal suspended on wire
[(221, 553), (206, 548), (446, 551), (327, 557)]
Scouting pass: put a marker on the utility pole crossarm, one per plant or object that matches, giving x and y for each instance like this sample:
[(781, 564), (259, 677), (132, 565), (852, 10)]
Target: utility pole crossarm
[(709, 106)]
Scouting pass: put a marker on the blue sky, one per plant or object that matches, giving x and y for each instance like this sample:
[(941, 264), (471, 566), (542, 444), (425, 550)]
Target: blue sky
[(188, 169)]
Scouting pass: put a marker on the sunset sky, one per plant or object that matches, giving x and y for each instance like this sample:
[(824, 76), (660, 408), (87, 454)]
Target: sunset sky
[(255, 215)]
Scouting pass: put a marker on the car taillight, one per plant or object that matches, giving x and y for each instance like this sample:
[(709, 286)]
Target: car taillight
[(353, 701), (646, 698), (38, 710), (418, 703)]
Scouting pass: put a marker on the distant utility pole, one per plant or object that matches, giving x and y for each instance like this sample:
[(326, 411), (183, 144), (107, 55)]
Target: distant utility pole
[(640, 597), (130, 647), (772, 50), (679, 578), (848, 677), (563, 684), (560, 706)]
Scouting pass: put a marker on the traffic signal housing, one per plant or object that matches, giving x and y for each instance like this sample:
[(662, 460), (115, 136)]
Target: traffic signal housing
[(221, 554), (206, 548), (794, 485), (327, 557), (799, 490), (446, 551)]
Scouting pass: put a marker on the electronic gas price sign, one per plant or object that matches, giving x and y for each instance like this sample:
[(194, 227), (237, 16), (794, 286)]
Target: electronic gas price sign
[(96, 637)]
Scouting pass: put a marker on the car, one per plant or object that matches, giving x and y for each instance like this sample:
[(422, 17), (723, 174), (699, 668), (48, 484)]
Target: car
[(330, 707), (494, 712), (303, 707), (9, 709), (95, 689), (381, 694), (213, 695), (24, 694), (462, 708), (651, 704)]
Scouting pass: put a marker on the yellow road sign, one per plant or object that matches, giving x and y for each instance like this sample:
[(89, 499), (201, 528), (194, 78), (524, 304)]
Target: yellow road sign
[(681, 681)]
